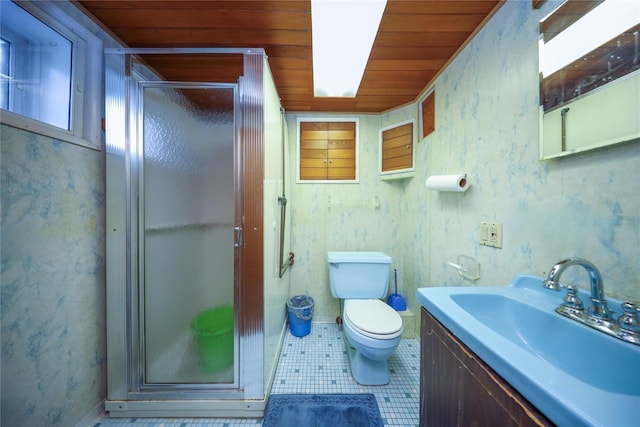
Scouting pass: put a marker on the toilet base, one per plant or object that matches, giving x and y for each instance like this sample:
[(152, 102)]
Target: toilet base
[(366, 371)]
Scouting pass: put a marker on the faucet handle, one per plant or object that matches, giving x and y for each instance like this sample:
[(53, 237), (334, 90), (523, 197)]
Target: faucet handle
[(552, 284), (572, 300), (630, 318)]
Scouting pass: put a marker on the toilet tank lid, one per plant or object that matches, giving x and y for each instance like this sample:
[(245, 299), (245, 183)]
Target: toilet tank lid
[(361, 257)]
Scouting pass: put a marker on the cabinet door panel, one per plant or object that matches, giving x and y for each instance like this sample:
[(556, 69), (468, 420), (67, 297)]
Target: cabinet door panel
[(458, 388), (341, 154), (341, 173), (313, 144), (327, 151), (440, 381), (346, 145), (313, 154), (313, 173), (397, 148)]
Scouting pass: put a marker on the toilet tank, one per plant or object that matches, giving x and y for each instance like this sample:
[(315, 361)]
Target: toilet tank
[(358, 275)]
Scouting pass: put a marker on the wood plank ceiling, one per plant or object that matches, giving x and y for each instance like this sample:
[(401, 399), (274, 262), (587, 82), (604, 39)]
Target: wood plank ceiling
[(416, 39)]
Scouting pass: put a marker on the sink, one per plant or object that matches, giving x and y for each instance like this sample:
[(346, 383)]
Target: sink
[(561, 342), (573, 374)]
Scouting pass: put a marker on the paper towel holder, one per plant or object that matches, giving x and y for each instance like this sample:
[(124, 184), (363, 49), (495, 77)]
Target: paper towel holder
[(456, 183)]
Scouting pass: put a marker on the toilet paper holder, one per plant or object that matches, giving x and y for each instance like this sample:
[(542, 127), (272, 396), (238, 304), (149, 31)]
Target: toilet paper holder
[(467, 267)]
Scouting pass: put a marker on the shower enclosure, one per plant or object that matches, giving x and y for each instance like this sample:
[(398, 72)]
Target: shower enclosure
[(185, 314)]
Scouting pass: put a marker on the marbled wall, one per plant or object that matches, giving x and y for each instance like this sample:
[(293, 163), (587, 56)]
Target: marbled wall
[(53, 253), (584, 205)]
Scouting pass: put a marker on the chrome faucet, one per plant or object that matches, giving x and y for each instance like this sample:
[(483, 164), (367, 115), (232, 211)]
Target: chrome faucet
[(597, 316), (598, 306)]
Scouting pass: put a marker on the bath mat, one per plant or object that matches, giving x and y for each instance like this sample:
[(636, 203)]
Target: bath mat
[(320, 410)]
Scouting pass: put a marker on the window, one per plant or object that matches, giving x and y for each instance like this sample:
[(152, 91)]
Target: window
[(327, 151), (4, 73), (48, 84)]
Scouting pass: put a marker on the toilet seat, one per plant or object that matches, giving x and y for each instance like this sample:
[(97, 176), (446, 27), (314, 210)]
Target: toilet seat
[(373, 318)]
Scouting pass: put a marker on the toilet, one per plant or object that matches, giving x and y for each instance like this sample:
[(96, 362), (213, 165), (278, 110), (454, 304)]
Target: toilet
[(373, 329)]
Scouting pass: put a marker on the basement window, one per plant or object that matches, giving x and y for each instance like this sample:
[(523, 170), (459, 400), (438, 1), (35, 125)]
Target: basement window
[(50, 75)]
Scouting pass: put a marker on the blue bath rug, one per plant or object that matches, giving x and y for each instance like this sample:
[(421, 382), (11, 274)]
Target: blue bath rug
[(322, 410)]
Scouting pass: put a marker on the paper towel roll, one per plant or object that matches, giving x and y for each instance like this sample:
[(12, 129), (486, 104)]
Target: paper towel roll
[(457, 183)]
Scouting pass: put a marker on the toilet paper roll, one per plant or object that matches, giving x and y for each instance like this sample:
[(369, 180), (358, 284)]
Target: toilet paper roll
[(457, 183)]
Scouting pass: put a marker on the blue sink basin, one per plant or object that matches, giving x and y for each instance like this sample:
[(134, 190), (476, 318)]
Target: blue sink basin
[(573, 374), (561, 342)]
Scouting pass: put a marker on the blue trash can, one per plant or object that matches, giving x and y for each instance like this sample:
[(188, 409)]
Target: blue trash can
[(300, 312)]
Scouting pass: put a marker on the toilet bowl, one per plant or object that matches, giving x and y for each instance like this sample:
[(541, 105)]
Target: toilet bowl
[(373, 331), (372, 328)]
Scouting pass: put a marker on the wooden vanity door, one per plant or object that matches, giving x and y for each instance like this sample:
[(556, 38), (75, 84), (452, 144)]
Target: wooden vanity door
[(458, 388)]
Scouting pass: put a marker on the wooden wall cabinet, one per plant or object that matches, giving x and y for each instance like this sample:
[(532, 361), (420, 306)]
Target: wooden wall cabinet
[(327, 151), (428, 114), (397, 148), (458, 388)]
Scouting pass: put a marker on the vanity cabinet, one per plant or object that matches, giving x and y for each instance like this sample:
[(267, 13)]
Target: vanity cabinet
[(458, 388)]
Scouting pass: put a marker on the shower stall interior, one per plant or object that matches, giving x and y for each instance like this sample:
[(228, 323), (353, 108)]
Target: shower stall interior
[(185, 238)]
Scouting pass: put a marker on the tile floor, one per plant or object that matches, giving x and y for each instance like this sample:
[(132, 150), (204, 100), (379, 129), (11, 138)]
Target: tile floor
[(318, 363)]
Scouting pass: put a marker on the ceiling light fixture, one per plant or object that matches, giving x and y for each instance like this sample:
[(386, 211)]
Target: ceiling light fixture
[(604, 22), (342, 34)]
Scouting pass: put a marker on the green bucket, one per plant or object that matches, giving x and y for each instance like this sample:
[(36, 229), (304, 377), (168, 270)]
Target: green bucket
[(213, 331)]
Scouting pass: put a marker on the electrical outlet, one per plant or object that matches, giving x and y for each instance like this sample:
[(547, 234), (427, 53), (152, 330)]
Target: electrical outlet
[(491, 234), (495, 234)]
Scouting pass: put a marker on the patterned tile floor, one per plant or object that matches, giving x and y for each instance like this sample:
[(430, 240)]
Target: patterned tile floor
[(319, 363)]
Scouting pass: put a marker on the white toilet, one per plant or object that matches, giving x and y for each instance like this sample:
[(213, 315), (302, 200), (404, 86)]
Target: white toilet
[(373, 329)]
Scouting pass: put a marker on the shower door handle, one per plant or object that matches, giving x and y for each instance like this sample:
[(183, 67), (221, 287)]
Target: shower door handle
[(238, 243)]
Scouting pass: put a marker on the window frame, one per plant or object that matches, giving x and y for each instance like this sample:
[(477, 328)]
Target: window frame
[(86, 81), (321, 119), (10, 62)]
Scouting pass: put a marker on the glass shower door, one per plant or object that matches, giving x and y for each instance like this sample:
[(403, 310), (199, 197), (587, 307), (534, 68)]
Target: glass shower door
[(187, 211)]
